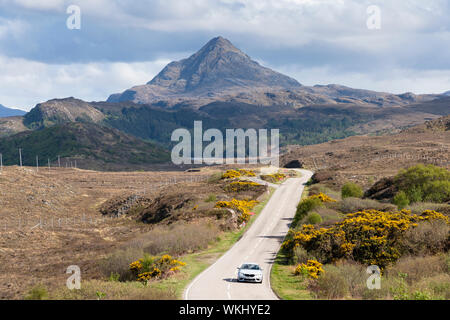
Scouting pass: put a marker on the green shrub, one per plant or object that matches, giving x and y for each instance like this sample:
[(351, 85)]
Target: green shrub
[(37, 293), (304, 207), (424, 183), (401, 200), (351, 189), (314, 218)]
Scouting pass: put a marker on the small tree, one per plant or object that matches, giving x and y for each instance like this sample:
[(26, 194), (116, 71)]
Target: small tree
[(351, 189), (304, 207), (401, 200)]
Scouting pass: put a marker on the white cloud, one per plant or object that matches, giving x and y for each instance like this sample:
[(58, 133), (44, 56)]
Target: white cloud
[(25, 83), (13, 27)]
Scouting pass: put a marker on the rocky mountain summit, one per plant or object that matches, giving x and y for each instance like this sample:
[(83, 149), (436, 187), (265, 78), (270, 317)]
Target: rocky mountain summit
[(217, 69)]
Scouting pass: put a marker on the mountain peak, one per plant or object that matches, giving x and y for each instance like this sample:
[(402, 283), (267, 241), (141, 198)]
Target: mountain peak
[(216, 69), (220, 43)]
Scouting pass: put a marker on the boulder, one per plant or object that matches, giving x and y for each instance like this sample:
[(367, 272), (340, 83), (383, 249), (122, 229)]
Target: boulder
[(382, 190), (294, 164)]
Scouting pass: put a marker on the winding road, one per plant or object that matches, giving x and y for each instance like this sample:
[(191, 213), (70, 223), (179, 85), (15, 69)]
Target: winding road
[(259, 244)]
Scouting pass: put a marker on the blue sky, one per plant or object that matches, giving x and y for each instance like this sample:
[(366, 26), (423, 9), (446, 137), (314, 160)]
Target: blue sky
[(123, 43)]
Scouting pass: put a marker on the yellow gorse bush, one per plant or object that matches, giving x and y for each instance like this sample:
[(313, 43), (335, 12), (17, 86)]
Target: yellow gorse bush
[(371, 237), (322, 197), (233, 174), (312, 268), (148, 268), (247, 173), (273, 177), (243, 207), (238, 186), (146, 276), (136, 265)]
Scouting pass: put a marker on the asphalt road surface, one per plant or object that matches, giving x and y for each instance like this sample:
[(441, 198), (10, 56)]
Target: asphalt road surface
[(260, 244)]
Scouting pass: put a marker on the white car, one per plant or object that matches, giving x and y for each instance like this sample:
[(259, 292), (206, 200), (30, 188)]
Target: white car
[(251, 272)]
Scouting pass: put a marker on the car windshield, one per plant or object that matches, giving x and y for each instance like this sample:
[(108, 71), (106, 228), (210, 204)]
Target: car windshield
[(250, 267)]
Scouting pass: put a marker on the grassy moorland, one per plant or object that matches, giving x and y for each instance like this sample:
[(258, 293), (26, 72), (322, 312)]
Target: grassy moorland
[(160, 263)]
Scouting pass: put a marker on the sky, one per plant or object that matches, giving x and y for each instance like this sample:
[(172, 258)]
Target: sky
[(400, 46)]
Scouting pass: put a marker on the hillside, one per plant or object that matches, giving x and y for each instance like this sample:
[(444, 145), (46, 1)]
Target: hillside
[(311, 124), (8, 112), (92, 146), (366, 159), (11, 125)]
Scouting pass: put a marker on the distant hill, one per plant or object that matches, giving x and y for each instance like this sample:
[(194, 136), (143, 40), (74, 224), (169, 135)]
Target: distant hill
[(93, 146), (8, 112), (59, 111)]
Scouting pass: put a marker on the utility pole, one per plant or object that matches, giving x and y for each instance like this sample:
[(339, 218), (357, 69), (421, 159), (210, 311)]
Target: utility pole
[(37, 163), (20, 157)]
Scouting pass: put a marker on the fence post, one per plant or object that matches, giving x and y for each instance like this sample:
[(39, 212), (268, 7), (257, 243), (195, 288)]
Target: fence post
[(20, 157)]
